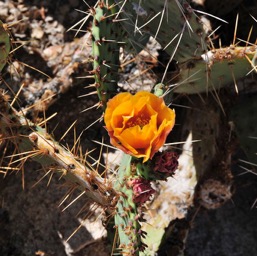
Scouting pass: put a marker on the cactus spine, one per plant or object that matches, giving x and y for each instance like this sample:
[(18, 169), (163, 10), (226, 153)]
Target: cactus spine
[(202, 69), (34, 142), (184, 36), (127, 215), (105, 46)]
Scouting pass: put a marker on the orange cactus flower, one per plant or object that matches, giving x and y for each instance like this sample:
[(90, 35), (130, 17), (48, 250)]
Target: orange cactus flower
[(138, 124)]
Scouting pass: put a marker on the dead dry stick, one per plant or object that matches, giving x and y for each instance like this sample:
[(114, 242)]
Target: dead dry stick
[(32, 141)]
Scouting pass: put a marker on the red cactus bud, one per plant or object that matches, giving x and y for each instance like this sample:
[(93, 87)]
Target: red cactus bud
[(142, 190), (166, 163)]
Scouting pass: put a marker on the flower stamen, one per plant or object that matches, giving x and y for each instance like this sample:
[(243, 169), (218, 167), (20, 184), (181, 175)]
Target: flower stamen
[(140, 120)]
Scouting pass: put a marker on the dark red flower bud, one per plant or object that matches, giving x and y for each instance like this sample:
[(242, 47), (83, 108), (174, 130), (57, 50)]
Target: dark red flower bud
[(142, 190), (166, 162)]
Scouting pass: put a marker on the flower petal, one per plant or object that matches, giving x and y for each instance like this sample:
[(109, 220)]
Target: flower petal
[(113, 104), (138, 124)]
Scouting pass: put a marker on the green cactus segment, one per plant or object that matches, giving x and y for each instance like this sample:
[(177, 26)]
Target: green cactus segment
[(184, 36), (215, 69), (105, 46), (243, 116), (31, 141), (173, 23), (134, 40), (126, 218), (5, 45), (159, 89)]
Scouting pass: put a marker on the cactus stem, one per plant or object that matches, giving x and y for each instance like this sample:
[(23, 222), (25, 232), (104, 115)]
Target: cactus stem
[(32, 141)]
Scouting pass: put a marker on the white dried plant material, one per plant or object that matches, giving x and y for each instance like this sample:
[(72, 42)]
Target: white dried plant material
[(176, 194), (174, 197)]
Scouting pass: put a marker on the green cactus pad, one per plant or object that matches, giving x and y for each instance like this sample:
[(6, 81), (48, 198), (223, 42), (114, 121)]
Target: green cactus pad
[(215, 69), (184, 36), (127, 216), (105, 46), (173, 23)]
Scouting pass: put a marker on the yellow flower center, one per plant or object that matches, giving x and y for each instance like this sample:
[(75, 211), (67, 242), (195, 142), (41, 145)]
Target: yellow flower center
[(140, 120)]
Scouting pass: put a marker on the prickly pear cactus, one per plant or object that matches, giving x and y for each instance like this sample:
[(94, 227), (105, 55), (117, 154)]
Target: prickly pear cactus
[(32, 141), (173, 23), (216, 69), (201, 68), (128, 216), (108, 35), (184, 34), (133, 183), (106, 42)]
